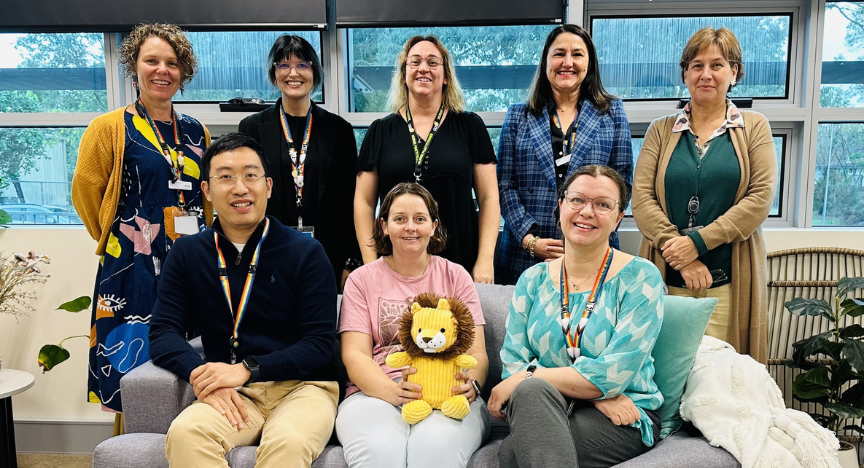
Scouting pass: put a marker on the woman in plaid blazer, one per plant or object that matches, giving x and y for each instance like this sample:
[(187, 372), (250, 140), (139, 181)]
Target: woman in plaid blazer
[(535, 153)]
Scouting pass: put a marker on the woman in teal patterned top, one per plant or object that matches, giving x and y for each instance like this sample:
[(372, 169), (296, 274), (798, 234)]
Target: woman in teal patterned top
[(597, 385)]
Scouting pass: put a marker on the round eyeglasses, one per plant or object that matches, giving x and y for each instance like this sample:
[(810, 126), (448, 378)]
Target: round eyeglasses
[(578, 200)]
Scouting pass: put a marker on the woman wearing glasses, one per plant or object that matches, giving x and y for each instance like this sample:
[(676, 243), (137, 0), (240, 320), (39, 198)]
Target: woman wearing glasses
[(704, 184), (137, 189), (312, 153), (569, 121), (430, 139), (578, 341)]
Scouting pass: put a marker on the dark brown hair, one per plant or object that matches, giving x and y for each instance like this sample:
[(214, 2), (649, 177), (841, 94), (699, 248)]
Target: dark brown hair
[(170, 33), (383, 245), (464, 327), (598, 171), (591, 87)]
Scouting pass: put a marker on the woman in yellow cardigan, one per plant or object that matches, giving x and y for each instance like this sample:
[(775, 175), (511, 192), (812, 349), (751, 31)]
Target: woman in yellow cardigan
[(137, 188), (703, 185)]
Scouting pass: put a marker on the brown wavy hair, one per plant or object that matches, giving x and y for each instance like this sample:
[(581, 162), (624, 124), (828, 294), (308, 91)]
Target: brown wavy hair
[(464, 327), (726, 42), (170, 33), (382, 242)]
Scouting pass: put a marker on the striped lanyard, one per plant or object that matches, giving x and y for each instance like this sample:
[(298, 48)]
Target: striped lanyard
[(247, 288), (176, 166), (419, 156), (569, 143), (298, 163), (575, 339)]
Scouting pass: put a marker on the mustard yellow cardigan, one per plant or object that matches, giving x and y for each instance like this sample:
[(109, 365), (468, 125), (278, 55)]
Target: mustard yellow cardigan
[(99, 175), (740, 226)]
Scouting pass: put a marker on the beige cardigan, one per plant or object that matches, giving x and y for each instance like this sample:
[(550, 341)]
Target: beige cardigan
[(99, 175), (740, 226)]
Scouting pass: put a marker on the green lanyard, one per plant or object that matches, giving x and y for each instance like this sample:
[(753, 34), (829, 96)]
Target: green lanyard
[(419, 156)]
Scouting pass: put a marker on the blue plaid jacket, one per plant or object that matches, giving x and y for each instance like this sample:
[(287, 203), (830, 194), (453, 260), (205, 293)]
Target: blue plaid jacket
[(526, 173)]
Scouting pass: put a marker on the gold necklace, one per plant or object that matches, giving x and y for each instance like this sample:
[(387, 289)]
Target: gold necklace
[(576, 284)]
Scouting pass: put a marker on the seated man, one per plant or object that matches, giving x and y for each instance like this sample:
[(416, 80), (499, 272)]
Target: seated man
[(263, 298)]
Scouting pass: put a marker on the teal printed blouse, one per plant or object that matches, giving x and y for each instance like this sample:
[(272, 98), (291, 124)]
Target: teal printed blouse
[(617, 342)]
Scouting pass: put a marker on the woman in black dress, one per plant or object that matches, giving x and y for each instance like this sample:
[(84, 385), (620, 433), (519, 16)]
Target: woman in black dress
[(430, 138), (312, 152)]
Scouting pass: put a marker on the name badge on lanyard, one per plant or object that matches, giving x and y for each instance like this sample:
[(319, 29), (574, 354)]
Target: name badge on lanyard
[(180, 185)]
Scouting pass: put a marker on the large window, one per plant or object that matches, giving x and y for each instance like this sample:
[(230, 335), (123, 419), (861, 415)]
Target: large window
[(843, 55), (234, 64), (838, 199), (36, 166), (494, 64), (639, 57), (52, 73)]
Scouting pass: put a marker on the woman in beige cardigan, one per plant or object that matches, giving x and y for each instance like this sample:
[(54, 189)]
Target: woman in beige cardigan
[(703, 185)]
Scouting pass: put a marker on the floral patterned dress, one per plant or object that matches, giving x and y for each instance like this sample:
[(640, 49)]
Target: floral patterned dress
[(137, 246)]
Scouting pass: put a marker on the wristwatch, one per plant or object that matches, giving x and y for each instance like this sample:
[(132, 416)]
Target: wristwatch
[(252, 366), (530, 371), (477, 388)]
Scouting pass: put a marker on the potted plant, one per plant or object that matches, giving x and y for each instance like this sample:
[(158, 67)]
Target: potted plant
[(50, 355), (832, 362)]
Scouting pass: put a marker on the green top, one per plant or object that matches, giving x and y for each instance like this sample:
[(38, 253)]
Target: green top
[(714, 178)]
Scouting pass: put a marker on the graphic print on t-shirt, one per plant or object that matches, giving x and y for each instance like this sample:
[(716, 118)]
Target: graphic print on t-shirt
[(390, 311)]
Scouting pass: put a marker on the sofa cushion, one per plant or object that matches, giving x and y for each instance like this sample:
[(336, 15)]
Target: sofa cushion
[(495, 301), (131, 451), (682, 450), (684, 323)]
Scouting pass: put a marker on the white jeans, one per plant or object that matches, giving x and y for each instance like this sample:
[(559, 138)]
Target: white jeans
[(374, 435)]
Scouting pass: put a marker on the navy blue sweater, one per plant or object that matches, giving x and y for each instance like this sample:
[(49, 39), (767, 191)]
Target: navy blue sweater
[(290, 322)]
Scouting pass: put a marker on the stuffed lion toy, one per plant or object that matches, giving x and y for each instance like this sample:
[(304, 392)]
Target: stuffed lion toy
[(435, 333)]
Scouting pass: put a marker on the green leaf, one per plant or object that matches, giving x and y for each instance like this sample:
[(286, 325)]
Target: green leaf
[(844, 411), (812, 384), (50, 355), (5, 218), (842, 374), (852, 331), (852, 307), (854, 427), (801, 306), (833, 349), (76, 305), (849, 284), (854, 351), (810, 346), (854, 395)]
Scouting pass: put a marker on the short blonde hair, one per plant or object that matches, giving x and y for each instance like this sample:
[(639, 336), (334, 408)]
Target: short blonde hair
[(725, 40), (397, 98), (170, 33)]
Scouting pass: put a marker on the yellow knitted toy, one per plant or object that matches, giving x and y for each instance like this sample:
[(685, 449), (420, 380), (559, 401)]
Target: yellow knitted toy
[(435, 334)]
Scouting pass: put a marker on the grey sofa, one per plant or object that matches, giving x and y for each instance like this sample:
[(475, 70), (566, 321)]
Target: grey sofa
[(152, 397)]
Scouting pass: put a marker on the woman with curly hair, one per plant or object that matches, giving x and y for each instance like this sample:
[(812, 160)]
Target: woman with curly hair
[(137, 189), (408, 233)]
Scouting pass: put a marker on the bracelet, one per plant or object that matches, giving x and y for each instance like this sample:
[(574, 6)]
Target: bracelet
[(531, 244)]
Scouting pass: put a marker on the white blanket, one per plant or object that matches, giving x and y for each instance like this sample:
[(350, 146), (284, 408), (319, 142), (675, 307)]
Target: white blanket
[(736, 404)]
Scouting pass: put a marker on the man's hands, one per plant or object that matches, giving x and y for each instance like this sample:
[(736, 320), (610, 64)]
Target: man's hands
[(228, 403), (620, 410), (207, 378)]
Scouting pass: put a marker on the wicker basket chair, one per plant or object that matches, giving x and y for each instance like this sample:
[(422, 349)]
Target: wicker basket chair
[(810, 273)]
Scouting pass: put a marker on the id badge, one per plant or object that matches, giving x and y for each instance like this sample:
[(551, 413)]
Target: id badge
[(308, 230), (186, 225), (180, 185), (687, 231), (562, 160)]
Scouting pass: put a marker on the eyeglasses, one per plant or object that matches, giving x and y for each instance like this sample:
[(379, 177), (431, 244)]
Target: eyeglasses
[(299, 66), (226, 180), (432, 61), (577, 201)]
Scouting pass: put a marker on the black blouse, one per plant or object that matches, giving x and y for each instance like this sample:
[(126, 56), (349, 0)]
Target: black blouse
[(448, 172)]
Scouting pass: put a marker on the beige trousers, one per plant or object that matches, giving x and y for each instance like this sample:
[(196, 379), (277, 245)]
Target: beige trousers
[(718, 325), (292, 419)]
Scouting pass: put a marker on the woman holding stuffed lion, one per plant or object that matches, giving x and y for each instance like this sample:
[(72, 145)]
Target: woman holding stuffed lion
[(408, 234)]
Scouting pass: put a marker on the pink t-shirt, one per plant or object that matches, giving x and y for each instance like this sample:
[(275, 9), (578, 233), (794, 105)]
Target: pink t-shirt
[(375, 297)]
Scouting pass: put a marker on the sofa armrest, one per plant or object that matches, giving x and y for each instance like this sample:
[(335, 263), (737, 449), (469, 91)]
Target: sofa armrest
[(152, 398)]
